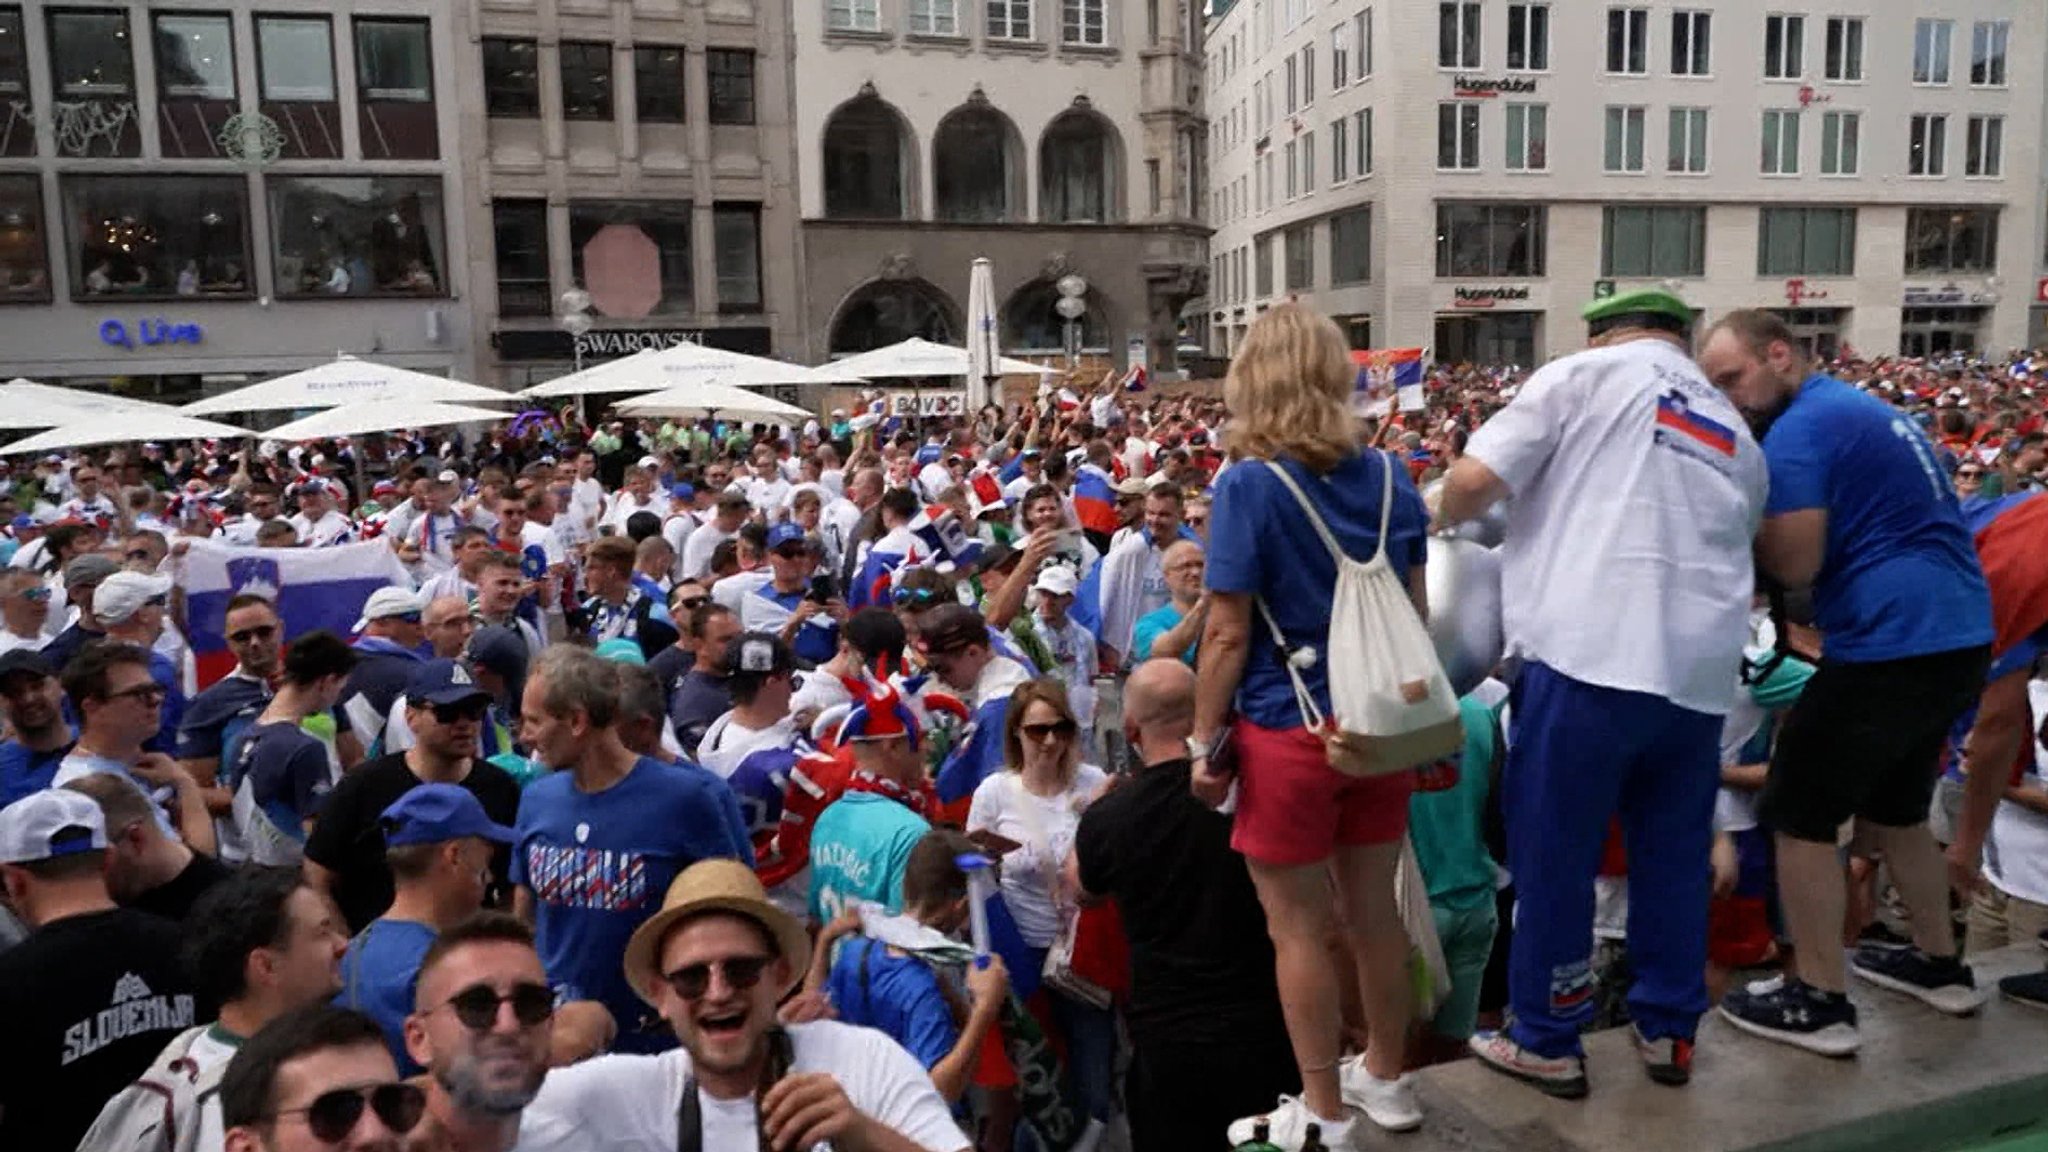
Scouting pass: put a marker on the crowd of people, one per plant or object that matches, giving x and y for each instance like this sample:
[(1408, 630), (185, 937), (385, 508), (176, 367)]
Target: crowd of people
[(977, 783)]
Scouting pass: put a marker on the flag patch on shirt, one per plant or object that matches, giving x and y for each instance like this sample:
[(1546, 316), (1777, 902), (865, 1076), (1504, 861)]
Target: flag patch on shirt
[(1674, 412)]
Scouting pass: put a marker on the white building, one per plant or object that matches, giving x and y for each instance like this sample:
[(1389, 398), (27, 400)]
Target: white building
[(1468, 174)]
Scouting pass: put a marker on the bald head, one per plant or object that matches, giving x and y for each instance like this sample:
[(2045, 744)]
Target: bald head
[(1159, 709), (866, 487)]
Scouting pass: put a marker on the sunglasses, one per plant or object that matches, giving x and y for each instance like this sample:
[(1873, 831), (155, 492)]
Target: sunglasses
[(691, 603), (407, 617), (333, 1115), (138, 554), (253, 635), (741, 973), (35, 595), (472, 711), (1969, 474), (477, 1005), (913, 596), (151, 692), (1059, 728)]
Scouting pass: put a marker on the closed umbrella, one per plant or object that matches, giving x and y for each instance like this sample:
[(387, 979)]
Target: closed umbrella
[(982, 349)]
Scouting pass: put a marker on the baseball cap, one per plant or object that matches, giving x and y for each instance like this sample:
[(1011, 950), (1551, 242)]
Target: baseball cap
[(443, 682), (22, 523), (449, 476), (314, 485), (501, 650), (385, 603), (383, 486), (786, 532), (758, 655), (1033, 453), (1642, 303), (1135, 486), (88, 569), (49, 825), (951, 627), (620, 650), (24, 660), (123, 594), (682, 492), (1056, 579), (437, 813)]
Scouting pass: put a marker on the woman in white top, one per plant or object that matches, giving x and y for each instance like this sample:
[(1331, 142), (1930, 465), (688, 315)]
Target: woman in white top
[(1037, 801)]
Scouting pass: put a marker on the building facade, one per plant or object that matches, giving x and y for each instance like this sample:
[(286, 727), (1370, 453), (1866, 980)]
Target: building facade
[(640, 150), (1055, 137), (195, 195), (1466, 175)]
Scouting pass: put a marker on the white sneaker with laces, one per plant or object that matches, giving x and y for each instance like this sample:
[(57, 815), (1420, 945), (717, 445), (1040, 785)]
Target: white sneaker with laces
[(1391, 1104), (1287, 1127)]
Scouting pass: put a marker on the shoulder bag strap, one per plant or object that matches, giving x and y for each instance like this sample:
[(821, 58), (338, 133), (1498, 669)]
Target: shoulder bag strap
[(1308, 510), (690, 1118), (1386, 503)]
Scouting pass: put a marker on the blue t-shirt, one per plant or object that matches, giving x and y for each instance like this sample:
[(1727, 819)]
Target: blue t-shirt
[(377, 976), (817, 639), (24, 770), (1151, 626), (164, 671), (899, 995), (1260, 543), (1900, 575), (285, 773), (859, 848), (382, 671), (216, 719), (598, 864)]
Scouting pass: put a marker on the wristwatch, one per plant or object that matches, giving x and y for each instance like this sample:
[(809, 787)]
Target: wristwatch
[(1199, 749)]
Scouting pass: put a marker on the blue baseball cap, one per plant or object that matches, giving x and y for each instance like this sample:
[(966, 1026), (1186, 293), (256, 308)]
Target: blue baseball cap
[(437, 813), (443, 682), (682, 492), (786, 532), (22, 523)]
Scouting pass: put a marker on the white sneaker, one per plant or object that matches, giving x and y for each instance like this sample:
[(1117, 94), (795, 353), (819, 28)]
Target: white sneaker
[(1391, 1104), (1287, 1127)]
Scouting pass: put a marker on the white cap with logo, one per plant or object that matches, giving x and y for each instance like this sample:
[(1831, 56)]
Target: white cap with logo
[(50, 824)]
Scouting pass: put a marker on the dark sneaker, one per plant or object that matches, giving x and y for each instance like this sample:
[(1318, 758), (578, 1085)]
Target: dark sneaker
[(1944, 983), (1790, 1012), (2030, 989), (1560, 1076), (1880, 933), (1667, 1059)]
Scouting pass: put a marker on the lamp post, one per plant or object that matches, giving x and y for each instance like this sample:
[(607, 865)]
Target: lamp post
[(1072, 305), (575, 320)]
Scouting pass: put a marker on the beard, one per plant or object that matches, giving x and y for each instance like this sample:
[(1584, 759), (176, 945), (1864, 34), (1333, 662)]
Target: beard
[(475, 1090), (1761, 419)]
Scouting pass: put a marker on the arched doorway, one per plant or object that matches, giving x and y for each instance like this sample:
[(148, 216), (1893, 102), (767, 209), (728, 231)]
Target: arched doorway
[(1078, 158), (978, 166), (1031, 323), (883, 312), (870, 171)]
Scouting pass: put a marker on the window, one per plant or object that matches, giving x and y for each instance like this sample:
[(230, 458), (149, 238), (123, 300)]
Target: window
[(608, 243), (736, 252), (1784, 47), (1457, 34), (1361, 39), (1361, 136), (1293, 158), (1987, 52), (1841, 139), (24, 253), (1299, 250), (865, 171), (1351, 247), (195, 57), (1288, 69), (1664, 240), (519, 232), (1074, 169), (358, 236), (1340, 150), (658, 84), (1308, 75), (1927, 144), (1931, 50), (14, 80), (1084, 23), (1686, 150), (1806, 242), (1340, 56), (1628, 41), (1528, 137), (1781, 142), (972, 166), (731, 72), (1528, 37), (1262, 265), (1259, 104), (1457, 135), (1308, 162), (1009, 19), (853, 15), (89, 56), (157, 237), (1692, 43), (1489, 239), (1844, 49), (586, 80), (933, 18), (1948, 241), (512, 79), (1624, 150), (394, 61), (1984, 146), (295, 58)]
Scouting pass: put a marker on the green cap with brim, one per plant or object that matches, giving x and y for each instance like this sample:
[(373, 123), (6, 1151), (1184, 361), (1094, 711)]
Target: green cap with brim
[(1641, 302)]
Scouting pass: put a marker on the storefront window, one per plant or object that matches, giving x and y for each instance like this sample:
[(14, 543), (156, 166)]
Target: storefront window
[(1951, 240), (633, 256), (157, 237), (358, 236), (17, 110), (92, 69), (1801, 241), (395, 90), (520, 231), (296, 58), (195, 57), (24, 258), (1489, 239), (736, 231)]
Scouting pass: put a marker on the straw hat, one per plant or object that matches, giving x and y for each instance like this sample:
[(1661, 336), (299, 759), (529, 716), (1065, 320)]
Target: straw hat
[(714, 886)]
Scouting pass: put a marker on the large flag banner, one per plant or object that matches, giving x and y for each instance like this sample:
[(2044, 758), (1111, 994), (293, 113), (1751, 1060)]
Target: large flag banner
[(1387, 376), (313, 588), (1095, 499)]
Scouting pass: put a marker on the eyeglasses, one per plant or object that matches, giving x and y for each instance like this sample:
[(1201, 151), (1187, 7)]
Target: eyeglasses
[(406, 617), (913, 597), (156, 602), (1969, 474), (256, 635), (1060, 729), (35, 595), (139, 554), (472, 711), (477, 1005), (152, 692), (333, 1115), (741, 973)]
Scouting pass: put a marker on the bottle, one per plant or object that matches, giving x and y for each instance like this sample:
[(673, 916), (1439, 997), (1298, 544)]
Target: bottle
[(1314, 1140), (1261, 1141)]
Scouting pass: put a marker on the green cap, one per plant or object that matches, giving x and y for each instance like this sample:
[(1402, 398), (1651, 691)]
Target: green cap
[(1642, 301)]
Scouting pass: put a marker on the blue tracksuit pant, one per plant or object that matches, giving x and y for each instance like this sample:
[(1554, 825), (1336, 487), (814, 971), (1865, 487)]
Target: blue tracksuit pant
[(1580, 755)]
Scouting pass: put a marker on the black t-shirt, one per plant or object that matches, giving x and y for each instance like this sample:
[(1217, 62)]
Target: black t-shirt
[(347, 840), (668, 666), (174, 898), (1201, 962), (89, 1001)]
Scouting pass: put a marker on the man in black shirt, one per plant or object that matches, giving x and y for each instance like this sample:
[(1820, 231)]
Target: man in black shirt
[(145, 868), (1208, 1042), (94, 993)]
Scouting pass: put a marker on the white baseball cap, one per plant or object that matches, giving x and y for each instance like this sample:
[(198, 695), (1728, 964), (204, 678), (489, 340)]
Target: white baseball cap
[(123, 594), (50, 824), (387, 602), (1057, 579)]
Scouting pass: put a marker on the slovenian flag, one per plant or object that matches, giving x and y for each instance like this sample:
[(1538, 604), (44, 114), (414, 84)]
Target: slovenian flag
[(1095, 499), (313, 588), (1385, 375)]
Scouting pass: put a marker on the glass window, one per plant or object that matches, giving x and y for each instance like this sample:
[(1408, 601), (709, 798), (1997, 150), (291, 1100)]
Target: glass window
[(658, 84), (1340, 150), (157, 237), (1927, 144), (1457, 135), (1351, 247), (1074, 169), (1687, 151), (853, 15), (1009, 19), (89, 56), (24, 254), (1661, 240), (1528, 137), (13, 56), (1844, 49), (1084, 22), (1293, 158), (1624, 150), (1988, 39), (1692, 43), (295, 58), (1784, 47), (519, 232), (1458, 43), (1944, 241), (736, 248), (1628, 41), (1340, 56), (394, 61), (1474, 239), (1361, 136), (1984, 151), (864, 162), (511, 78), (1308, 75), (586, 80), (1841, 140), (1262, 265), (1293, 88), (1781, 142), (607, 244), (195, 57), (1361, 36), (358, 236), (1806, 242), (1298, 248), (732, 85), (1308, 162), (1528, 37), (933, 18), (1931, 50)]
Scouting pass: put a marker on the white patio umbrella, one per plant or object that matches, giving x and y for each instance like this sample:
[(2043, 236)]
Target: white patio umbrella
[(650, 370), (690, 401), (344, 380), (920, 357), (367, 416), (90, 429), (982, 349), (27, 404)]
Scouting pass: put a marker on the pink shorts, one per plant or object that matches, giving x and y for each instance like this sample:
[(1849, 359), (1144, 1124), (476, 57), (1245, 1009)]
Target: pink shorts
[(1294, 809)]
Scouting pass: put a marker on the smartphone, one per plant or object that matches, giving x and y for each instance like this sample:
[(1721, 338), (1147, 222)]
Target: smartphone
[(824, 589), (993, 843)]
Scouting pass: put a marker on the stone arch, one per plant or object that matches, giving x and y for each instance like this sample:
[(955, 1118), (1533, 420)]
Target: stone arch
[(978, 166), (884, 311), (1030, 323), (870, 169), (1080, 157)]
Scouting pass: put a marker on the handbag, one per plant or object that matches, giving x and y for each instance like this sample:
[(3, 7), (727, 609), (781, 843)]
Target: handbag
[(1391, 706), (1089, 960)]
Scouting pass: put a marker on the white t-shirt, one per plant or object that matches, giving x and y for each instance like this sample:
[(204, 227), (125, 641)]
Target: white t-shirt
[(1045, 827), (629, 1103), (677, 530), (1627, 562), (768, 496), (2016, 854), (727, 742), (551, 544), (9, 641), (697, 550), (733, 591), (331, 528)]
